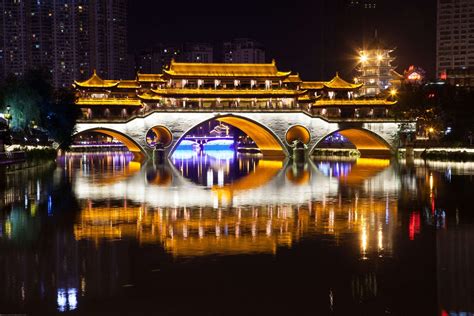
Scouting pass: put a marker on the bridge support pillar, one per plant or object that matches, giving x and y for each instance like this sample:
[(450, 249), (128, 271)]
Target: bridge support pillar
[(159, 156)]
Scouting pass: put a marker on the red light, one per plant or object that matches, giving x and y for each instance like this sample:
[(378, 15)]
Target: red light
[(443, 75), (414, 225)]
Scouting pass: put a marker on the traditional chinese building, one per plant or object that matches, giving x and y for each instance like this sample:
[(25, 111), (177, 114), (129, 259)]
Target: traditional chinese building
[(234, 87), (376, 71)]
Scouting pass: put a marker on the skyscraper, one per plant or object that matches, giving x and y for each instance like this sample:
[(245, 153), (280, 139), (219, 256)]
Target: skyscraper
[(70, 38), (455, 41)]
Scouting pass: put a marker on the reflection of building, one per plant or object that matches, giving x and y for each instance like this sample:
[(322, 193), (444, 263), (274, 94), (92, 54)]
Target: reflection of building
[(376, 70), (204, 231), (455, 32), (223, 86)]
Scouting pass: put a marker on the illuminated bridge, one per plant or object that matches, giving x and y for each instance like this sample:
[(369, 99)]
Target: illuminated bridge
[(272, 107)]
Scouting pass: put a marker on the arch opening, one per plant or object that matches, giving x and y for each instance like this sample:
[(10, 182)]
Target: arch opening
[(258, 137), (111, 137), (366, 142), (298, 133), (159, 134)]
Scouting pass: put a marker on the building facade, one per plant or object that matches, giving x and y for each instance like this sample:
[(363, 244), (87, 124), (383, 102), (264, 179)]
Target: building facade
[(69, 38), (243, 51), (455, 41), (212, 86), (376, 72), (198, 53)]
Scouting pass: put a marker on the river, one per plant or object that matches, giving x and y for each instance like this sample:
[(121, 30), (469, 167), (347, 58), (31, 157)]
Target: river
[(224, 234)]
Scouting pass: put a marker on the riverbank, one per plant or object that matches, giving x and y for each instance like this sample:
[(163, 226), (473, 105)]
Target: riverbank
[(18, 160), (440, 153)]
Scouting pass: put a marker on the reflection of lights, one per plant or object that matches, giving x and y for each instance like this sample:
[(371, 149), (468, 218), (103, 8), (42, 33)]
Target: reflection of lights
[(72, 299), (414, 225), (8, 228), (184, 154), (363, 241), (61, 300), (380, 239), (221, 154), (50, 206), (66, 299), (431, 181), (210, 178)]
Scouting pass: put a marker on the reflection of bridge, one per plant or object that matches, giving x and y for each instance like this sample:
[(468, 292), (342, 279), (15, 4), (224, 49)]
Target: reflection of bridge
[(287, 203), (269, 183), (272, 107)]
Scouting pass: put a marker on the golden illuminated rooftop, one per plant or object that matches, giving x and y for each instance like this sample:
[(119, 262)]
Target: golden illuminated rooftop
[(128, 84), (293, 78), (150, 77), (96, 82), (312, 85), (354, 102), (205, 70), (223, 92), (337, 83), (109, 101)]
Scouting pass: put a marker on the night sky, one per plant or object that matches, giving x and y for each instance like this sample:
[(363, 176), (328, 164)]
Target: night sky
[(313, 37)]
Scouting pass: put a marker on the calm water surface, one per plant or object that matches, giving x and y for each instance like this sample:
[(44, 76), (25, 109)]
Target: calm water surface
[(221, 234)]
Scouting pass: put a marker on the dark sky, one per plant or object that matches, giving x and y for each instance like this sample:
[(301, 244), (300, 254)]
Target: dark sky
[(313, 37)]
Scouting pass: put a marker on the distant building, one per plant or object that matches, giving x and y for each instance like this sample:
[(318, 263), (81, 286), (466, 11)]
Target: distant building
[(363, 4), (155, 59), (243, 51), (198, 53), (414, 75), (376, 72), (70, 38), (455, 41)]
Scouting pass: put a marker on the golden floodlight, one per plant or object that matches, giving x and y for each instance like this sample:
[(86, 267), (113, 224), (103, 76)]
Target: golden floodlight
[(363, 58), (393, 92), (379, 57)]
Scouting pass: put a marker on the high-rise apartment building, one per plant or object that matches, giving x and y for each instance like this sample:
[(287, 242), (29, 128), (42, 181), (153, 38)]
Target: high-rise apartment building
[(156, 59), (455, 41), (198, 53), (70, 38), (243, 51)]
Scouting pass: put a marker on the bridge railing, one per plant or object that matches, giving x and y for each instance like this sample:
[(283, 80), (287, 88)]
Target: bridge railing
[(332, 116)]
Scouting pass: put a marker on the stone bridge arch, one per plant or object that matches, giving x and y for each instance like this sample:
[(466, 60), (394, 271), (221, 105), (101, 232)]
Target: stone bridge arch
[(264, 137), (367, 142), (132, 145)]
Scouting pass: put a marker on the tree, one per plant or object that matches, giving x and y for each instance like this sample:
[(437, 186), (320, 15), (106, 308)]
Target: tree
[(23, 102), (33, 98), (61, 118)]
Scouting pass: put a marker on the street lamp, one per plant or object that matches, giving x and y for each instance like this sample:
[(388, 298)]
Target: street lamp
[(8, 115)]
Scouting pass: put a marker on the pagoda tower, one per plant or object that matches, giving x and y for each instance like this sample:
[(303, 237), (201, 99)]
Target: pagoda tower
[(376, 71)]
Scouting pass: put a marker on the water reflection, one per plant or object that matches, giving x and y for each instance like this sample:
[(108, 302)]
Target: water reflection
[(358, 231)]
